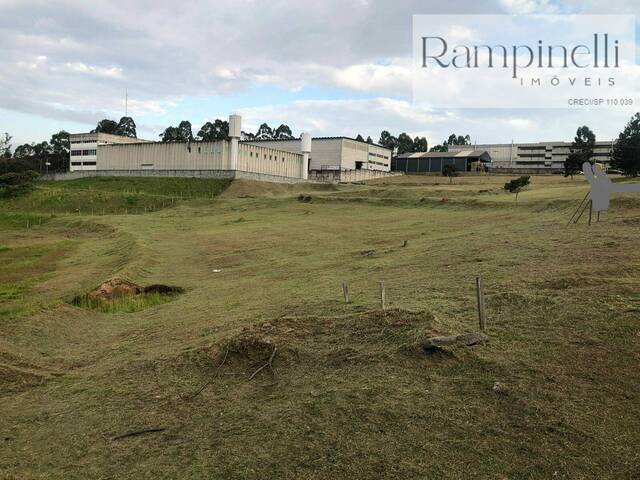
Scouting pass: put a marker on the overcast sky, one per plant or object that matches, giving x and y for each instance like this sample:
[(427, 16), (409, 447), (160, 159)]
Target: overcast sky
[(332, 67)]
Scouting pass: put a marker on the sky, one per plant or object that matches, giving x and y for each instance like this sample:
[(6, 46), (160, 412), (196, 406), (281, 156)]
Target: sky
[(332, 67)]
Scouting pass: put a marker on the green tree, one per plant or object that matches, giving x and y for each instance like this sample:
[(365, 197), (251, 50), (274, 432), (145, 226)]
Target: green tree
[(388, 141), (5, 145), (404, 143), (458, 140), (369, 140), (186, 131), (581, 151), (265, 132), (212, 132), (127, 127), (60, 143), (283, 132), (626, 151), (440, 148), (516, 185), (171, 135), (360, 138), (106, 126), (24, 151), (450, 171), (420, 144)]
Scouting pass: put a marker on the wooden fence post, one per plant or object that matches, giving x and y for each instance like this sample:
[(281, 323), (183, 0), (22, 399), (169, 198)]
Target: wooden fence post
[(345, 292), (382, 295), (480, 295)]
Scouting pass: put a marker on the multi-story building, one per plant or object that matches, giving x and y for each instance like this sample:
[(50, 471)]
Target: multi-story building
[(543, 156), (84, 148)]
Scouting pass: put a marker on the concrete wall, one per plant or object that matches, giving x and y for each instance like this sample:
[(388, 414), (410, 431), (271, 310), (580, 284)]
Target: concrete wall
[(164, 156), (199, 156), (228, 174), (269, 161), (140, 173), (347, 176)]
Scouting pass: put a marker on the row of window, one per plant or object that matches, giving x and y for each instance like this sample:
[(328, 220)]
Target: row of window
[(82, 153), (371, 154), (271, 157), (86, 164)]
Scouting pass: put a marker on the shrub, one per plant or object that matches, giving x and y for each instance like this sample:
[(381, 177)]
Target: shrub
[(517, 184), (14, 183)]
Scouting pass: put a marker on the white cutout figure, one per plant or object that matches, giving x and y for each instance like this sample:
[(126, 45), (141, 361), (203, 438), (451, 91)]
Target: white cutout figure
[(602, 186)]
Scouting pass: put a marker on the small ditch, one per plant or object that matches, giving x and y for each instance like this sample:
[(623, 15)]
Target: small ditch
[(122, 296)]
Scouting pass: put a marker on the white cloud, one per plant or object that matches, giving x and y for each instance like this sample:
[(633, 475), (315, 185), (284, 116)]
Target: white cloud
[(76, 59), (83, 68), (529, 6)]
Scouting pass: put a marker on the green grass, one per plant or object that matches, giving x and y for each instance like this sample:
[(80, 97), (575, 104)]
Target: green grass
[(351, 394), (123, 304), (113, 195)]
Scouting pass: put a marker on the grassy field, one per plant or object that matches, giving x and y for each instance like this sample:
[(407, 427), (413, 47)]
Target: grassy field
[(555, 393)]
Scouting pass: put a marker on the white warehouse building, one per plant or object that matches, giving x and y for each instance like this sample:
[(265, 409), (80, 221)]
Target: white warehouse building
[(337, 153), (320, 159), (103, 154)]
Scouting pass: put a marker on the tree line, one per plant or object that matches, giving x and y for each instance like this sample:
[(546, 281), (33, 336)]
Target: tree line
[(52, 155), (403, 143), (625, 151), (219, 130)]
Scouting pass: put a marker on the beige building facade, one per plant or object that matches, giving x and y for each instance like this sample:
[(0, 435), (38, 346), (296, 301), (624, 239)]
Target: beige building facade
[(112, 153), (83, 153), (542, 155), (337, 153)]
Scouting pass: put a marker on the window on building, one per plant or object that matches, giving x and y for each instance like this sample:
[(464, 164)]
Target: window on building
[(76, 153), (88, 163), (76, 164)]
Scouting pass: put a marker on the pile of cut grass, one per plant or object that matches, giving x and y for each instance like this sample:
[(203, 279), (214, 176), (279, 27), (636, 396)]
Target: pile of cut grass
[(124, 303)]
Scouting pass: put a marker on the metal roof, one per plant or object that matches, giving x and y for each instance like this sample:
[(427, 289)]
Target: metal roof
[(315, 138), (460, 154)]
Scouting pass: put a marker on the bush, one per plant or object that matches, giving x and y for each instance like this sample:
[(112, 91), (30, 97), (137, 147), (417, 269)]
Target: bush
[(450, 171), (517, 184), (14, 183)]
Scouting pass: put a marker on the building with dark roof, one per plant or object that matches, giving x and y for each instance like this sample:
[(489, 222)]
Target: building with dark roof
[(433, 162), (541, 156)]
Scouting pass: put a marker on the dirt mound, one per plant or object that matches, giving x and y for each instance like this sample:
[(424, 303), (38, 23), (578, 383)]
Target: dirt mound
[(122, 296), (371, 333), (116, 287)]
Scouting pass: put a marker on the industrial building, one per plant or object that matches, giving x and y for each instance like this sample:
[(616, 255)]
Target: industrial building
[(538, 157), (432, 162), (337, 153), (116, 155), (84, 148), (334, 159)]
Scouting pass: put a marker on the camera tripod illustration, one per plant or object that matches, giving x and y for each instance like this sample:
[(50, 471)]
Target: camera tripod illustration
[(598, 198)]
